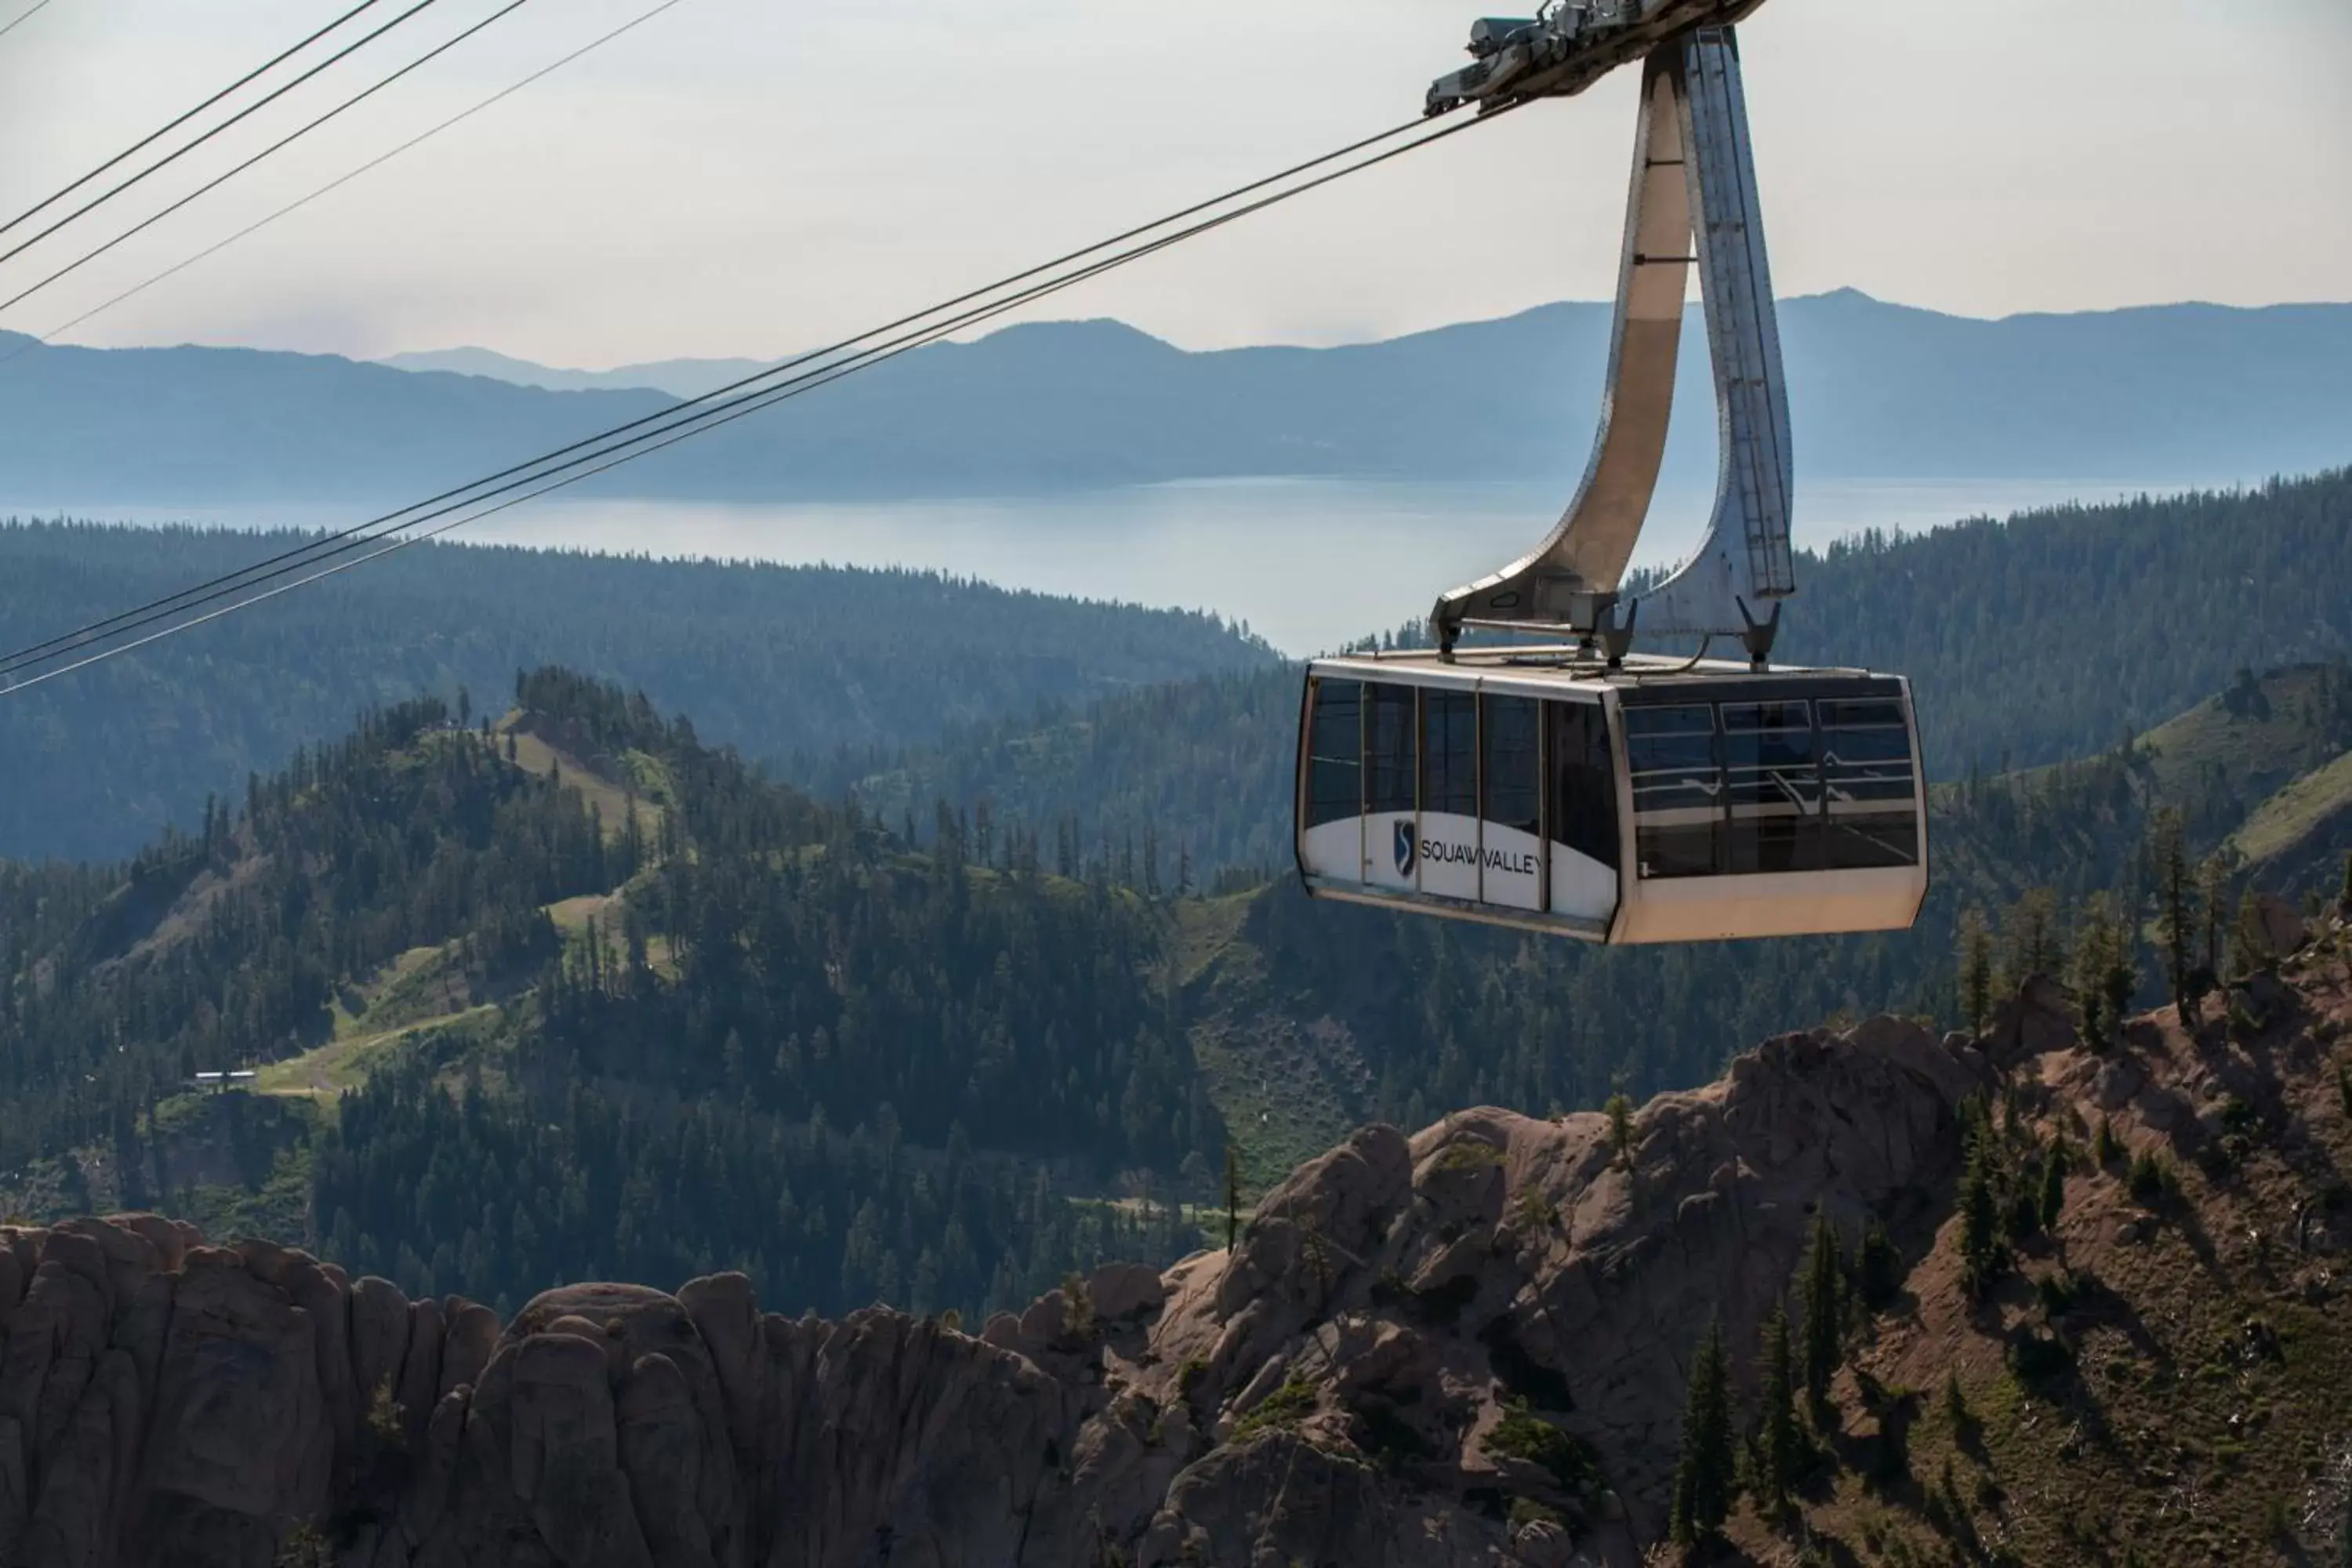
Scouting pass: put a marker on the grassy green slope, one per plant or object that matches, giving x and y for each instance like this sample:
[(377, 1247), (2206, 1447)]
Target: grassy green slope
[(2301, 837)]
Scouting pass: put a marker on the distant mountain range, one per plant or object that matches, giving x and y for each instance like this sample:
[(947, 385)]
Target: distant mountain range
[(678, 377), (2166, 394)]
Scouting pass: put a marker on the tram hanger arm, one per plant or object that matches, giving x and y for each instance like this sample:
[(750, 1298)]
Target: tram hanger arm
[(1692, 206)]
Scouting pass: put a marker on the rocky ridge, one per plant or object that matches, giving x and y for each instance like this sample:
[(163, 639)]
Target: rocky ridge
[(1467, 1346), (1413, 1335)]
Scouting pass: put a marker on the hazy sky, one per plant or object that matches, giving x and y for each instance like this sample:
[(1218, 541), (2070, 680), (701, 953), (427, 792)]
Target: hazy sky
[(749, 176)]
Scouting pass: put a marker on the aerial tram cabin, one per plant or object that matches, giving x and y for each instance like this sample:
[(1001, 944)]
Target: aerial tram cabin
[(1581, 787), (1661, 800)]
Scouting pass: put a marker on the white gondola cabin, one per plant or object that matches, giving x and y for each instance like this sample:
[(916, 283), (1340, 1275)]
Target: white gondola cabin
[(1661, 800)]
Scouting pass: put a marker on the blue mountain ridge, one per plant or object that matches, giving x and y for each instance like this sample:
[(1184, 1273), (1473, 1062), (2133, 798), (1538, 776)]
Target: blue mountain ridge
[(2184, 394)]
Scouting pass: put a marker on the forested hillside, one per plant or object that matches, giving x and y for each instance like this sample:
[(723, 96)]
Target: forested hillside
[(568, 993), (2047, 636), (642, 1018), (770, 659), (2030, 639)]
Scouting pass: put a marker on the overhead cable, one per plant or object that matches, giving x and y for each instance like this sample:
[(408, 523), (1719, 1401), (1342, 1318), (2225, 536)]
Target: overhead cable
[(153, 137), (21, 17), (15, 659), (182, 150), (36, 340), (362, 96), (599, 454)]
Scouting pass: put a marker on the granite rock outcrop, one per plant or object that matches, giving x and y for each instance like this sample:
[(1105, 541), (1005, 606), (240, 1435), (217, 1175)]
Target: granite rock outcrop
[(1464, 1346)]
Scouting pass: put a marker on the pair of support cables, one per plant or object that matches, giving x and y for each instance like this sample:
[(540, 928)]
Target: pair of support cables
[(332, 553)]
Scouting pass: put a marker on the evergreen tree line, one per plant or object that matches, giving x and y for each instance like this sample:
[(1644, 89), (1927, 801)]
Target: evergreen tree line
[(1773, 1448), (773, 659), (794, 1046), (901, 1030), (444, 1187), (228, 947)]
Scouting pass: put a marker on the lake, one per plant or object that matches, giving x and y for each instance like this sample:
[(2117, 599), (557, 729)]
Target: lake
[(1306, 563)]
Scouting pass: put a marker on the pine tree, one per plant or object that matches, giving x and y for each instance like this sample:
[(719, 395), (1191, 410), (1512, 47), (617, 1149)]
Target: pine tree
[(1233, 1197), (2052, 1200), (2251, 942), (2178, 914), (1704, 1476), (1620, 1111), (2343, 908), (2033, 947), (1879, 1267), (1976, 967), (2213, 894), (2105, 1148), (1784, 1450), (1982, 1254), (1825, 1320), (2105, 977)]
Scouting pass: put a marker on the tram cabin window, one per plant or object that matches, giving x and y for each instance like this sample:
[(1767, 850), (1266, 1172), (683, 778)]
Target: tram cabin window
[(1335, 748), (1511, 772), (1771, 786), (1677, 790), (1871, 789), (1449, 752), (1584, 783), (1390, 753)]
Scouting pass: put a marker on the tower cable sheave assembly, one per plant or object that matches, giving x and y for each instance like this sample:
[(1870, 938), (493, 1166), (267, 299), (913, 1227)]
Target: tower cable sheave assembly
[(165, 616)]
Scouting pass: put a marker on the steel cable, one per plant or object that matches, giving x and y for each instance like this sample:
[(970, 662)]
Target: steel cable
[(36, 340), (295, 135), (21, 17), (151, 138), (668, 429), (181, 151), (16, 658)]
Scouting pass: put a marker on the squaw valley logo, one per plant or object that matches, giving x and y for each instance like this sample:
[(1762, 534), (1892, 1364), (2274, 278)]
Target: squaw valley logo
[(1408, 848)]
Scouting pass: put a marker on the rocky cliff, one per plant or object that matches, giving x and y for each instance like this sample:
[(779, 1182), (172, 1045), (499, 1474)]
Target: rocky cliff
[(1468, 1346), (1412, 1334)]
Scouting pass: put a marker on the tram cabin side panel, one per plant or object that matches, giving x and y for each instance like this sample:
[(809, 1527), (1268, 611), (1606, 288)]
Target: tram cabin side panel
[(1658, 811), (1468, 797)]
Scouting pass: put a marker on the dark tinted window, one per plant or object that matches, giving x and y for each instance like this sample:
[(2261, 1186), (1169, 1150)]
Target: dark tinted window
[(1449, 752), (1677, 790), (1870, 787), (1584, 784), (1335, 746), (1511, 777), (1767, 782), (1389, 750), (1772, 786)]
